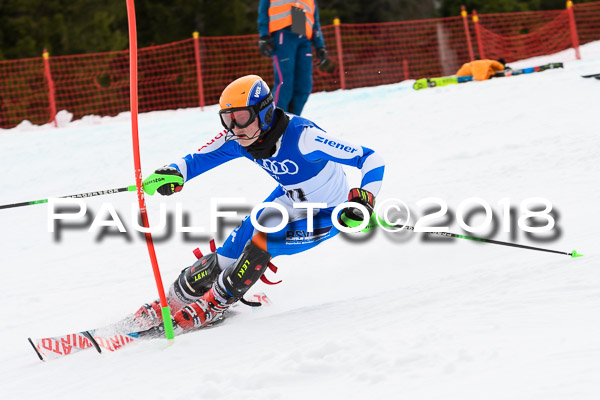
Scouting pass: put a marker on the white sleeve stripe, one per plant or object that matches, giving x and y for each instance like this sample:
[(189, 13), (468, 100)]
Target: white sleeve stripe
[(373, 161)]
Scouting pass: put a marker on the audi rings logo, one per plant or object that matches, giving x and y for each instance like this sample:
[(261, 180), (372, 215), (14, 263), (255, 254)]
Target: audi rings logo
[(280, 167)]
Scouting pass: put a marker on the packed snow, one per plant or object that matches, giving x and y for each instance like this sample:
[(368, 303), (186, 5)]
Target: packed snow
[(358, 317)]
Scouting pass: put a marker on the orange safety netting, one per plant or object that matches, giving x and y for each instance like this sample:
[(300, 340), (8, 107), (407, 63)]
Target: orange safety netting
[(23, 92), (587, 16), (521, 35), (192, 72), (376, 54)]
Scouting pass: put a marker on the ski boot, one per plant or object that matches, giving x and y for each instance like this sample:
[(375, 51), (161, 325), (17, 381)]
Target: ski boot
[(193, 282), (148, 316), (230, 286)]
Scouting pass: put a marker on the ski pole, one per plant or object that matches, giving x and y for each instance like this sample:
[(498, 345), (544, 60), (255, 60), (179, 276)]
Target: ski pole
[(79, 195), (375, 218), (150, 185)]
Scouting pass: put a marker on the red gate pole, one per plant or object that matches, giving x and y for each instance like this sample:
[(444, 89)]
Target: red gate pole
[(51, 90), (463, 13), (340, 52), (133, 95), (478, 35), (574, 36), (199, 69)]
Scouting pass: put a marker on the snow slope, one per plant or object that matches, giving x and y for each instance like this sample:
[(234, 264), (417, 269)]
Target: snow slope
[(390, 315)]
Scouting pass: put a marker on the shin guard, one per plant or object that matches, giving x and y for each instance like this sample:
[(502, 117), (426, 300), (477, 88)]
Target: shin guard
[(244, 273)]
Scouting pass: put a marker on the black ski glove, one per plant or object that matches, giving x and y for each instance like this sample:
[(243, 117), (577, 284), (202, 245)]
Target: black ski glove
[(352, 216), (168, 189), (266, 46), (321, 56)]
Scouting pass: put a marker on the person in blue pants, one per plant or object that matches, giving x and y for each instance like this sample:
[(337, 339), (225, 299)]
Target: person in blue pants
[(307, 165), (288, 30)]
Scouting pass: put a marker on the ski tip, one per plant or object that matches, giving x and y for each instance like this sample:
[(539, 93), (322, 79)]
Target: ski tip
[(35, 348), (575, 254)]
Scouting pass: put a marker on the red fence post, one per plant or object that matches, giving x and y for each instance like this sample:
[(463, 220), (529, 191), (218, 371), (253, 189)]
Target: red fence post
[(478, 35), (405, 66), (574, 36), (196, 36), (463, 13), (51, 97), (338, 42)]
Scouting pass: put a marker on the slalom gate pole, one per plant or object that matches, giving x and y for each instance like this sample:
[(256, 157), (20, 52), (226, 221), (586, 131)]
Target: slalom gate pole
[(374, 218), (77, 196), (166, 312)]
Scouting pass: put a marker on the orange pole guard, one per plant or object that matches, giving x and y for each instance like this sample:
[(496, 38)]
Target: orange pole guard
[(133, 98), (196, 36), (51, 89), (573, 26), (463, 14), (478, 35), (340, 52)]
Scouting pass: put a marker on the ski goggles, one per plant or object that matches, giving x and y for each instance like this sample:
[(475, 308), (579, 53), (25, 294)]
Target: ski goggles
[(243, 116), (240, 117)]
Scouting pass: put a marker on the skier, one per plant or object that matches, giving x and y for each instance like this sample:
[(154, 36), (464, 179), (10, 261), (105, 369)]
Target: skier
[(305, 162)]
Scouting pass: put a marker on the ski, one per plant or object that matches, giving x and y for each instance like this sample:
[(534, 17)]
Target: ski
[(597, 76), (58, 346), (530, 70), (441, 81), (424, 83), (116, 336)]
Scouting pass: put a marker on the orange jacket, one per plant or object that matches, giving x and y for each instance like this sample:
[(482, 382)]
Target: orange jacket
[(480, 70), (280, 14)]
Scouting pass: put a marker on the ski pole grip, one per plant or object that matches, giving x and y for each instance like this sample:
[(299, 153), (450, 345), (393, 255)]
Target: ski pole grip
[(154, 181)]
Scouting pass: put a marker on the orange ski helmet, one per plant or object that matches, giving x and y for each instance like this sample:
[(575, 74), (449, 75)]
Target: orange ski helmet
[(245, 99)]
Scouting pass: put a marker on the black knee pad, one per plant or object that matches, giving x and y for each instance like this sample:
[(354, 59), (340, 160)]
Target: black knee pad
[(196, 279), (248, 269)]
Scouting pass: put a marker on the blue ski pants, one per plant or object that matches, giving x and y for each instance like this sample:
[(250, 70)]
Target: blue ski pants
[(291, 239), (294, 57)]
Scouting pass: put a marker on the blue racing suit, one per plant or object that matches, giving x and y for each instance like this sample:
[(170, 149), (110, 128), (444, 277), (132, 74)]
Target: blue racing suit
[(307, 166)]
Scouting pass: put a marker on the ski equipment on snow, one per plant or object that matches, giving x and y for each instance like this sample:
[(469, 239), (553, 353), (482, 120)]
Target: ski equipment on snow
[(114, 337), (597, 76), (424, 83), (530, 70)]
